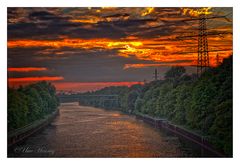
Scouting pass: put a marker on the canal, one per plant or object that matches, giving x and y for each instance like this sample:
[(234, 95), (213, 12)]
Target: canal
[(81, 131)]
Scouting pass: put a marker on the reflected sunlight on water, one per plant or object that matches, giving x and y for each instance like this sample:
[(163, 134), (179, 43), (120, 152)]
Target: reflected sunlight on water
[(81, 131)]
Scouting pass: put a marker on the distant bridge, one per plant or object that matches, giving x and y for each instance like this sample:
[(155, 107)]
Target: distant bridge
[(79, 98)]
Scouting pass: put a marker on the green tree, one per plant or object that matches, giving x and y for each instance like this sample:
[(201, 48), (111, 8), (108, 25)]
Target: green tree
[(30, 103), (175, 72), (17, 109)]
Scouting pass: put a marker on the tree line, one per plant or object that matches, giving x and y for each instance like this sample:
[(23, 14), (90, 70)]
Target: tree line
[(30, 103), (200, 104)]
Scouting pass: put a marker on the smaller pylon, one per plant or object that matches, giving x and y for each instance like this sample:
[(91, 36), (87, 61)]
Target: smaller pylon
[(144, 81), (217, 60), (155, 74)]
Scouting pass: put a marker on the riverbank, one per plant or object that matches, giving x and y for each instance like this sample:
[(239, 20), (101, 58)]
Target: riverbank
[(165, 124), (21, 134)]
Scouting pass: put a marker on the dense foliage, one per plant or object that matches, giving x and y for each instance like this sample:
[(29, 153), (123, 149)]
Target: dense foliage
[(202, 105), (30, 103)]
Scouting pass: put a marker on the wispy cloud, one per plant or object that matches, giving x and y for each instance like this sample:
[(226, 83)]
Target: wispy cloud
[(27, 69), (136, 66), (32, 79)]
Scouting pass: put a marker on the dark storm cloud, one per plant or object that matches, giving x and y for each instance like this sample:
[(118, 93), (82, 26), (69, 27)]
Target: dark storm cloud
[(34, 31), (48, 25), (132, 22), (117, 15), (52, 22), (38, 25), (43, 15), (155, 32), (113, 30), (101, 30), (45, 25)]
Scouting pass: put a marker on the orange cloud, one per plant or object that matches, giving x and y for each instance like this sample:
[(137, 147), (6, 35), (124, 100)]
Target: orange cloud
[(87, 19), (147, 11), (75, 43), (156, 49), (23, 81), (128, 66), (26, 69), (45, 78), (197, 12)]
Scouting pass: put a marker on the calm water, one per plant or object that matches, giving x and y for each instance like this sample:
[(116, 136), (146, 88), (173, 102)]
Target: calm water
[(81, 131)]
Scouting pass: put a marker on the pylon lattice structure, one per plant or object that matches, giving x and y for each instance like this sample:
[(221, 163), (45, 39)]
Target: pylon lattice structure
[(203, 56)]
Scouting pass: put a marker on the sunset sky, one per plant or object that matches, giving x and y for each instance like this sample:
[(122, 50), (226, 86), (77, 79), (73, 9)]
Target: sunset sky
[(90, 48)]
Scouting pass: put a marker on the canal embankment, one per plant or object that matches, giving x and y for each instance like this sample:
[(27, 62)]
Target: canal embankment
[(21, 134), (178, 130)]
